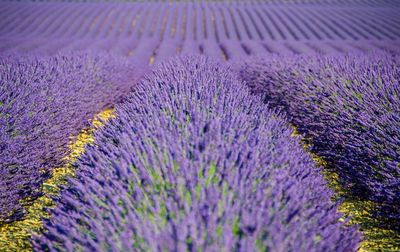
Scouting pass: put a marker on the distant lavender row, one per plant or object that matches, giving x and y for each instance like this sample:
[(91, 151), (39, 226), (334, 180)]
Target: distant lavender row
[(44, 102), (196, 21), (220, 30), (349, 108), (199, 21), (278, 2), (194, 162), (142, 51)]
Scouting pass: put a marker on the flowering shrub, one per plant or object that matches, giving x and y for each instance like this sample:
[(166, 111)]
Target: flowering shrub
[(349, 108), (194, 162), (44, 102)]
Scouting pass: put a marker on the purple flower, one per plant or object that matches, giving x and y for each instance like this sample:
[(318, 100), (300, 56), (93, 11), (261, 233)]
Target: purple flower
[(194, 162), (43, 103), (348, 108)]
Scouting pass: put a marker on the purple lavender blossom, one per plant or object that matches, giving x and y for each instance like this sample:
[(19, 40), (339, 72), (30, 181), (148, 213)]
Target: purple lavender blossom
[(194, 162), (44, 102), (349, 108)]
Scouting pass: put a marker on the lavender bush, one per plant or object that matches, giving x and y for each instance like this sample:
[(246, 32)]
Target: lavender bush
[(43, 102), (194, 162), (349, 109)]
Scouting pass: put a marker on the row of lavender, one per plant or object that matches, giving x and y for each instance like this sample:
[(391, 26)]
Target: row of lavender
[(369, 3), (348, 108), (195, 162), (226, 31), (199, 21), (350, 117), (44, 102), (146, 52), (222, 157)]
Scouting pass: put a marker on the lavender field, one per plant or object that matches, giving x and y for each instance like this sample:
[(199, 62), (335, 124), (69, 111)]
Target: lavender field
[(200, 125)]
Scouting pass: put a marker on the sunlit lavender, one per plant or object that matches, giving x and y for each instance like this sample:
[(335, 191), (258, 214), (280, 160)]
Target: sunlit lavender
[(231, 125)]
